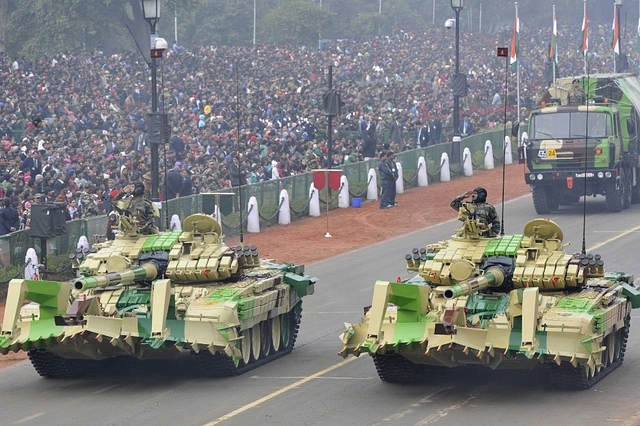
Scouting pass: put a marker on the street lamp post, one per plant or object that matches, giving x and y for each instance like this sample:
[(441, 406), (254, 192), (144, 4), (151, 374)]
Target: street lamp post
[(151, 11), (457, 6)]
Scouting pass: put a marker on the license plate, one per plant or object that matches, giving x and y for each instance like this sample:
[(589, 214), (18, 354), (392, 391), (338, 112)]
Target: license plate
[(547, 153)]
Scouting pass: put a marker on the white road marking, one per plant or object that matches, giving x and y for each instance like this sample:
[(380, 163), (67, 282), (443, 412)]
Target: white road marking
[(610, 240), (302, 377), (279, 392), (26, 419), (104, 389)]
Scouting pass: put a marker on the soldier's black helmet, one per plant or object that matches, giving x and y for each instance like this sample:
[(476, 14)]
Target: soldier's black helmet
[(138, 189), (482, 195)]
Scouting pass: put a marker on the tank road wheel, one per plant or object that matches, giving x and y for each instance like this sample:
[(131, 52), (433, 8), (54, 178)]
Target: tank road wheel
[(613, 194), (625, 178), (276, 334), (544, 200), (256, 338), (246, 346), (265, 342), (285, 330)]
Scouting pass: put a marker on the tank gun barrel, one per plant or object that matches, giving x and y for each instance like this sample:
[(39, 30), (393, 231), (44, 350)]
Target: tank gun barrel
[(146, 271), (494, 277)]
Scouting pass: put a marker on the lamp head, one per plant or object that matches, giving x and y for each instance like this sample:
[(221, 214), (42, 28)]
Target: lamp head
[(457, 4), (151, 9)]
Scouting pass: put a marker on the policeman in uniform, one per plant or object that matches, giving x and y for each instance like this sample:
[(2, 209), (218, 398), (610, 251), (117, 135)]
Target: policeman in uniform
[(87, 204), (139, 207), (484, 211)]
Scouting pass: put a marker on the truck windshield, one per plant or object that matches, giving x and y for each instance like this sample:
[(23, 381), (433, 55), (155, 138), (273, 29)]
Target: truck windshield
[(568, 125)]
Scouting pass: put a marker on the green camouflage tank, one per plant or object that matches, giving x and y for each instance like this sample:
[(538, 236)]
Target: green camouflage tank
[(514, 301), (157, 296)]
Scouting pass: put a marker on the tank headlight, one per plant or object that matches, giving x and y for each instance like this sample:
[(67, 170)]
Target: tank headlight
[(600, 175), (539, 176), (607, 174), (532, 177)]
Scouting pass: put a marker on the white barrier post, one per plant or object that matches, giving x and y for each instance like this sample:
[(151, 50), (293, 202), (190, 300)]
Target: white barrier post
[(284, 216), (423, 177), (31, 270), (467, 163), (314, 202), (400, 180), (522, 152), (175, 224), (253, 219), (488, 156), (216, 214), (83, 244), (508, 154), (445, 171), (372, 188), (343, 196)]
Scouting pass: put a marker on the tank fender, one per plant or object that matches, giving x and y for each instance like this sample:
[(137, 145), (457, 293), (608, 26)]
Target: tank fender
[(632, 293)]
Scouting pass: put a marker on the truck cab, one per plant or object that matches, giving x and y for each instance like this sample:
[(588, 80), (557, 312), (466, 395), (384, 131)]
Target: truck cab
[(588, 149)]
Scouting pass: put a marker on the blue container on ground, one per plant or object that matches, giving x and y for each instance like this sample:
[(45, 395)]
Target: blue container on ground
[(356, 202)]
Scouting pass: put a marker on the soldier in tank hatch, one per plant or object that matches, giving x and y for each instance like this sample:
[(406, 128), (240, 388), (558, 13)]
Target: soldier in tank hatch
[(139, 207), (484, 211)]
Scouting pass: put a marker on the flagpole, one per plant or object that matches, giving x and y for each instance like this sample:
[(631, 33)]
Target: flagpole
[(554, 43), (517, 69), (585, 37), (615, 27)]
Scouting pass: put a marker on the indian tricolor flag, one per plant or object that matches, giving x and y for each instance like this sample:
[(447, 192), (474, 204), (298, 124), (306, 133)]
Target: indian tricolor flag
[(553, 48), (615, 42), (585, 31), (513, 59)]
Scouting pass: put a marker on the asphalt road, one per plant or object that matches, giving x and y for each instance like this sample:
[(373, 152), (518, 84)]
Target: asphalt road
[(314, 386)]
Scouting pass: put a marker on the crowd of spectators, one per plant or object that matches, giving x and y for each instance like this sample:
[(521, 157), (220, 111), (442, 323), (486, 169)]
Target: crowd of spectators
[(73, 125)]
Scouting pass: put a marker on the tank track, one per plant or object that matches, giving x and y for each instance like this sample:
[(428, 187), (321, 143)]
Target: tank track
[(52, 366), (394, 368), (566, 376), (221, 365)]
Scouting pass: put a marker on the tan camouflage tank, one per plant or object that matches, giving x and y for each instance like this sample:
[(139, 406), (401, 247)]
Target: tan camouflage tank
[(513, 301), (157, 296)]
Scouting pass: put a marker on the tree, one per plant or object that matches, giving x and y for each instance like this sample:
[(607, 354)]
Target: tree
[(296, 22), (366, 25)]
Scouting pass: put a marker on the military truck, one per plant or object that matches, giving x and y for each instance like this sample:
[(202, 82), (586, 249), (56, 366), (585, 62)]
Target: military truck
[(588, 147)]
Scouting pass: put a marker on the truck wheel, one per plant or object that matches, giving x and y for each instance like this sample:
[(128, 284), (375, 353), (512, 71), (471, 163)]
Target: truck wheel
[(625, 178), (613, 193), (635, 190), (544, 200)]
